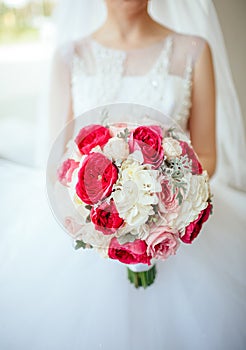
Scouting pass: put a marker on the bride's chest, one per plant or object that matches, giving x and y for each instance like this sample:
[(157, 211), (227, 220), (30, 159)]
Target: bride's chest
[(108, 83)]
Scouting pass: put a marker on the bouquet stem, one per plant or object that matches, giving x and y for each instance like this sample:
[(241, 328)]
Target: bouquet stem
[(143, 278)]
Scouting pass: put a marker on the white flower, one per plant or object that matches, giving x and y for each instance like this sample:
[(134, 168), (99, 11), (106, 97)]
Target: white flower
[(98, 240), (195, 200), (172, 148), (116, 149), (135, 192), (140, 232)]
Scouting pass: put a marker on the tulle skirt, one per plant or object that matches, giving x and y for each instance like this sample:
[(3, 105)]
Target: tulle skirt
[(54, 297)]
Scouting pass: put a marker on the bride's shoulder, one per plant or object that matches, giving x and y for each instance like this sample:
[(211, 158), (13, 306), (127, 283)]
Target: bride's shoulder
[(66, 51), (190, 45)]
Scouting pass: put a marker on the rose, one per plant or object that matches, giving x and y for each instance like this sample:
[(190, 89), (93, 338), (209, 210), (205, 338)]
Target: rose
[(168, 204), (193, 229), (162, 243), (196, 165), (148, 139), (65, 171), (96, 178), (129, 253), (72, 226), (91, 136), (106, 218), (172, 148), (116, 149)]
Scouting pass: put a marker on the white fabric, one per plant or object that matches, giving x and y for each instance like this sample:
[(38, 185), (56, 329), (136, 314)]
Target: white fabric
[(53, 297)]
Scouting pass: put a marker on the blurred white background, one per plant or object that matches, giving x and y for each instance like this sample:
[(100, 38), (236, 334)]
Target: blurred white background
[(26, 47)]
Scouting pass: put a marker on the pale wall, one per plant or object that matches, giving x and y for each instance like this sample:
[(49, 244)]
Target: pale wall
[(232, 15)]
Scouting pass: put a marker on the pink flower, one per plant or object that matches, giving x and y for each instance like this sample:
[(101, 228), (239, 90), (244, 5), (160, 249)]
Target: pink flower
[(148, 139), (106, 218), (193, 229), (96, 178), (168, 202), (161, 243), (91, 136), (129, 253), (196, 165), (65, 171), (72, 226)]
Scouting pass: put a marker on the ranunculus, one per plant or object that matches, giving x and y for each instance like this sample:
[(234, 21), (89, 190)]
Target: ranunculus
[(168, 204), (148, 139), (129, 253), (162, 243), (106, 218), (65, 171), (116, 149), (91, 136), (193, 229), (196, 165), (96, 178), (172, 148)]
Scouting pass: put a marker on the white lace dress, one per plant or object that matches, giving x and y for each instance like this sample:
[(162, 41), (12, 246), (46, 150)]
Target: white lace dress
[(53, 297)]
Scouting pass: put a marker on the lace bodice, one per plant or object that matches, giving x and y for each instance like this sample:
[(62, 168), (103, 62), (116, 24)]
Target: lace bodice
[(159, 76)]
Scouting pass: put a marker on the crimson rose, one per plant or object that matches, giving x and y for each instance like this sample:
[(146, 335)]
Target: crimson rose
[(129, 253), (148, 139), (96, 178), (106, 218), (91, 136), (192, 231), (196, 165)]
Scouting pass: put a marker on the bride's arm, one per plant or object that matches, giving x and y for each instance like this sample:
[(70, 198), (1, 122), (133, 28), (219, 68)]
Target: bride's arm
[(202, 118), (61, 111)]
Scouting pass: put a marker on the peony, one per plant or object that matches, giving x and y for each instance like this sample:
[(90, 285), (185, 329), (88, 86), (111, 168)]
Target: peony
[(116, 149), (96, 178), (193, 229), (196, 165), (196, 199), (148, 139), (172, 148), (91, 136), (162, 243), (129, 253), (106, 218), (65, 171)]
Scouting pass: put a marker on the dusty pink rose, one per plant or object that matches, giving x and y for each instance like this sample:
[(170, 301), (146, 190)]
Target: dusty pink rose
[(192, 231), (168, 202), (72, 226), (162, 243), (65, 171)]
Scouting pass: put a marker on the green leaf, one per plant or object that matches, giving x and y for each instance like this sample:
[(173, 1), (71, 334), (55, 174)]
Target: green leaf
[(81, 244)]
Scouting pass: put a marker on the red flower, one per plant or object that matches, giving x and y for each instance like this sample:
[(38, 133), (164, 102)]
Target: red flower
[(65, 171), (148, 139), (196, 165), (96, 178), (192, 231), (129, 253), (106, 218), (91, 136)]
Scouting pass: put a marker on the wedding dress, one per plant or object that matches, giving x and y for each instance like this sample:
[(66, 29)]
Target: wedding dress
[(53, 297)]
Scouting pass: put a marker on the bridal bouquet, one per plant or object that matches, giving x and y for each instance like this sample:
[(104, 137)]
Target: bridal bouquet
[(138, 192)]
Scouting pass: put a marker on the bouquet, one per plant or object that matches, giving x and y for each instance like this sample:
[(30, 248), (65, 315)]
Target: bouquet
[(137, 191)]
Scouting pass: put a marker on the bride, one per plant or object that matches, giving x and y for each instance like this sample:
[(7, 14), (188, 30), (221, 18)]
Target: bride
[(53, 297)]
